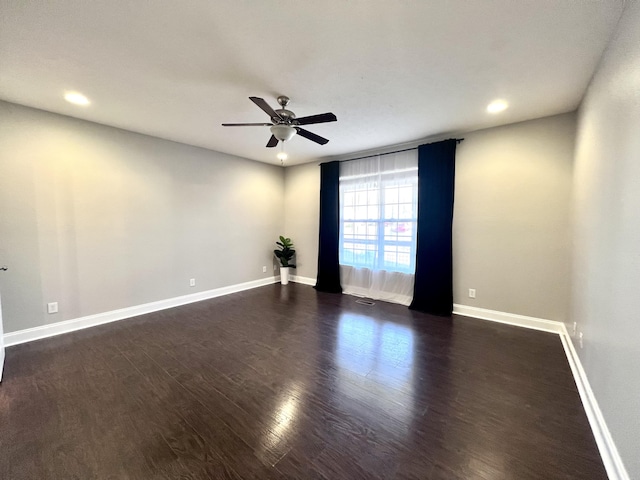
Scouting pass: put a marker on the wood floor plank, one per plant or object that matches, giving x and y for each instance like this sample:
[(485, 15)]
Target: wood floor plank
[(283, 382)]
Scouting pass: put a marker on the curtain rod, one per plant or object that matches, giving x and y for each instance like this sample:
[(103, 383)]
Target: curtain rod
[(458, 140)]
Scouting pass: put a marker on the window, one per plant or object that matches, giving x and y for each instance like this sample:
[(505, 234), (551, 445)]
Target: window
[(378, 212)]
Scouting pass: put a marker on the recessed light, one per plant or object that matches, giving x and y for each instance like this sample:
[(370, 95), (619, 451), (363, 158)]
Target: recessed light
[(497, 106), (76, 98)]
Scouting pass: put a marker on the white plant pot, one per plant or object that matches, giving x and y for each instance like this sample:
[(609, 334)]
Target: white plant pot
[(284, 275)]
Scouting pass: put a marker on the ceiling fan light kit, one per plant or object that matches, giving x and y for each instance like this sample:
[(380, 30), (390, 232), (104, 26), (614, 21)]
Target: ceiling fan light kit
[(283, 133), (284, 124)]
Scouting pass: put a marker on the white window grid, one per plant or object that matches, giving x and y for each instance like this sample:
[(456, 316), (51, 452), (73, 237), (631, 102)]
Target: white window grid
[(379, 203)]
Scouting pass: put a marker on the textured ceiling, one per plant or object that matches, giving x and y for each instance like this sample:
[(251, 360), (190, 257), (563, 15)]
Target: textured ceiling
[(392, 71)]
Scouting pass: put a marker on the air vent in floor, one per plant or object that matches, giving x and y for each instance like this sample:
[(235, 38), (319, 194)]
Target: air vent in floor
[(366, 302)]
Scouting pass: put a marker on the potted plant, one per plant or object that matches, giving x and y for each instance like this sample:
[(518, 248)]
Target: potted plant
[(285, 253)]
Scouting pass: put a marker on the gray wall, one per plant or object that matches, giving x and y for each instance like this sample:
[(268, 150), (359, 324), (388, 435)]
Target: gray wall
[(606, 279), (302, 213), (98, 218), (511, 224), (511, 220)]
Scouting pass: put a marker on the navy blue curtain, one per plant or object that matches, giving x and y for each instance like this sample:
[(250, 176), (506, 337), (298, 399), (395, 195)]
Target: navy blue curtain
[(433, 290), (328, 256)]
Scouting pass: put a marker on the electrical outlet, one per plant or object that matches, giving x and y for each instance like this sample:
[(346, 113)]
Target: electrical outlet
[(580, 337), (52, 307), (192, 282), (472, 293), (264, 269), (275, 267)]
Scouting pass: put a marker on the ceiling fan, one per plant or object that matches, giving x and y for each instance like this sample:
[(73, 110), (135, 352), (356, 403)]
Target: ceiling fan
[(284, 123)]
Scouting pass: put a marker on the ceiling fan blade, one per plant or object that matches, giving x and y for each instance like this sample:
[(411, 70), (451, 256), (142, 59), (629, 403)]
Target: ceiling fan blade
[(311, 136), (247, 124), (320, 118), (273, 141), (260, 102)]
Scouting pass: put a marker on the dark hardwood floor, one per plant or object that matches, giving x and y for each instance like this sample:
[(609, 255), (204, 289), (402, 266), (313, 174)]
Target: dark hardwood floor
[(287, 383)]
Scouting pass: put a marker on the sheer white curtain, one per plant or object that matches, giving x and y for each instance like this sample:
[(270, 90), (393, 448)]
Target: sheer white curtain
[(378, 218)]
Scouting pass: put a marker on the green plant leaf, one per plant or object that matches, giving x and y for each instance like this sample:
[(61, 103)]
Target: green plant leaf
[(286, 251)]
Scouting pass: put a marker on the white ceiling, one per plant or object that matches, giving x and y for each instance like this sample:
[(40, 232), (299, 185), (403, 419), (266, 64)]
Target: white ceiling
[(392, 71)]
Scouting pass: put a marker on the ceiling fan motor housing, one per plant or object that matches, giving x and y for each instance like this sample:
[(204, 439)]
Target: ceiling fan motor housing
[(286, 115)]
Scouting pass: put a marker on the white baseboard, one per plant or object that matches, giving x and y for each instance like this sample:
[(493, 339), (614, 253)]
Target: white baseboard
[(610, 456), (608, 450), (509, 318), (305, 280), (44, 331)]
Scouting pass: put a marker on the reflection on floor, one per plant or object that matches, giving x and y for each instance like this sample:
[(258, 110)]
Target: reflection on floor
[(283, 382), (382, 353)]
